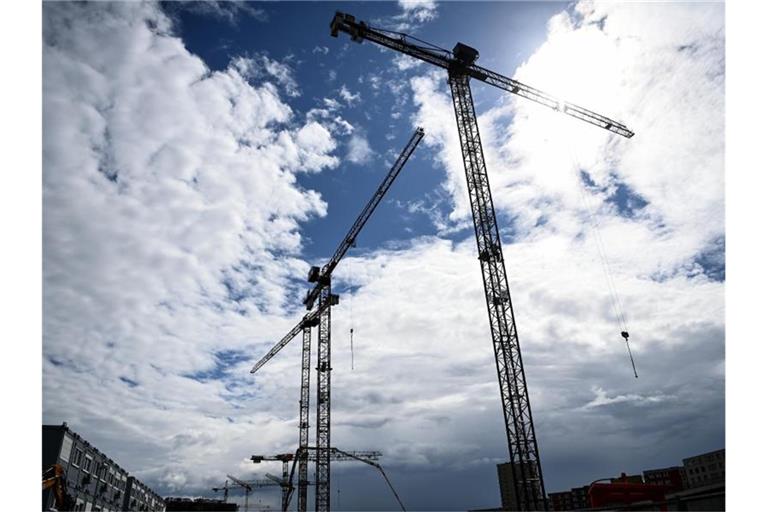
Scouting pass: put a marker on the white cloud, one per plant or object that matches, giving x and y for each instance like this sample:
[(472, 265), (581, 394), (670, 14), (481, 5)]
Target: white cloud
[(602, 399), (320, 49), (359, 150), (347, 95), (414, 13), (171, 235), (534, 160), (260, 66), (404, 62), (231, 11)]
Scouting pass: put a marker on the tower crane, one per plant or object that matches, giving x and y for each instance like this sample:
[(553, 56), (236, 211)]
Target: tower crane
[(321, 317), (286, 483), (225, 489), (370, 462), (246, 487), (285, 458), (461, 67)]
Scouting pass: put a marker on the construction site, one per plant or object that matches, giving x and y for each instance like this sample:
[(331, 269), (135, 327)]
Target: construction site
[(304, 477)]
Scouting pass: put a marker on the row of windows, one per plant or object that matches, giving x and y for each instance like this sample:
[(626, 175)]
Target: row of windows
[(710, 467), (100, 471), (83, 506)]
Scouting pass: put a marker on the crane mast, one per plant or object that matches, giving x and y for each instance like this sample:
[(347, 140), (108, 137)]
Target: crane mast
[(461, 67)]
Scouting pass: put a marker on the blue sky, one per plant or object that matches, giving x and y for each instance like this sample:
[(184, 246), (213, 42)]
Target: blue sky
[(312, 55), (218, 150)]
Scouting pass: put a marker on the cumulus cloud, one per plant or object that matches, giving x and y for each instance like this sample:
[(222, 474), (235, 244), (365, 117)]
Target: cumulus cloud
[(260, 66), (347, 95), (171, 236), (358, 149), (414, 13)]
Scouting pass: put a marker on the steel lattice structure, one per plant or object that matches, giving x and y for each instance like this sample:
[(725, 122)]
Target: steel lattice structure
[(460, 64), (509, 362), (306, 349), (323, 418)]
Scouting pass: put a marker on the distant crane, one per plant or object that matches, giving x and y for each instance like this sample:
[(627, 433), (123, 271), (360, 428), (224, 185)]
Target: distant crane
[(286, 482), (370, 462), (460, 65), (322, 317), (225, 489), (246, 487)]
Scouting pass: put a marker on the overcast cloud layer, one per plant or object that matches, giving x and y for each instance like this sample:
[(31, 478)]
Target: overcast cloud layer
[(173, 230)]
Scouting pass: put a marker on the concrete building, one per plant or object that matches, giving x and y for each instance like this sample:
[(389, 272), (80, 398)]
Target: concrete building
[(198, 505), (561, 500), (139, 497), (673, 477), (507, 484), (580, 497), (705, 469), (95, 482), (697, 485), (627, 479)]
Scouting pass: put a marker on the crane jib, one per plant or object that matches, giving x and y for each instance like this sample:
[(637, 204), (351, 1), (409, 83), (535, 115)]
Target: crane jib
[(321, 278), (461, 61)]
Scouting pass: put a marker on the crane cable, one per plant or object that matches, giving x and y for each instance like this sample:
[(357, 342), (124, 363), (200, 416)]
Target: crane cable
[(594, 223)]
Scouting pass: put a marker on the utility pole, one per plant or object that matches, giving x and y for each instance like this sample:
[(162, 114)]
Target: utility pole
[(460, 65)]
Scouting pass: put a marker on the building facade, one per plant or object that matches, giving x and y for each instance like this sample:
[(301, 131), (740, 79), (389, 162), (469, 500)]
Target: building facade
[(580, 497), (507, 484), (139, 497), (95, 482), (673, 477), (699, 484), (561, 501), (705, 469), (198, 505)]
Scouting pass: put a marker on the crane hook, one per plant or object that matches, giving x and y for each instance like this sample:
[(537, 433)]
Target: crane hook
[(625, 335)]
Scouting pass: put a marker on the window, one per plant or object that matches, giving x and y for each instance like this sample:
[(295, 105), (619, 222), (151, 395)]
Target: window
[(87, 463), (66, 448), (77, 459)]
